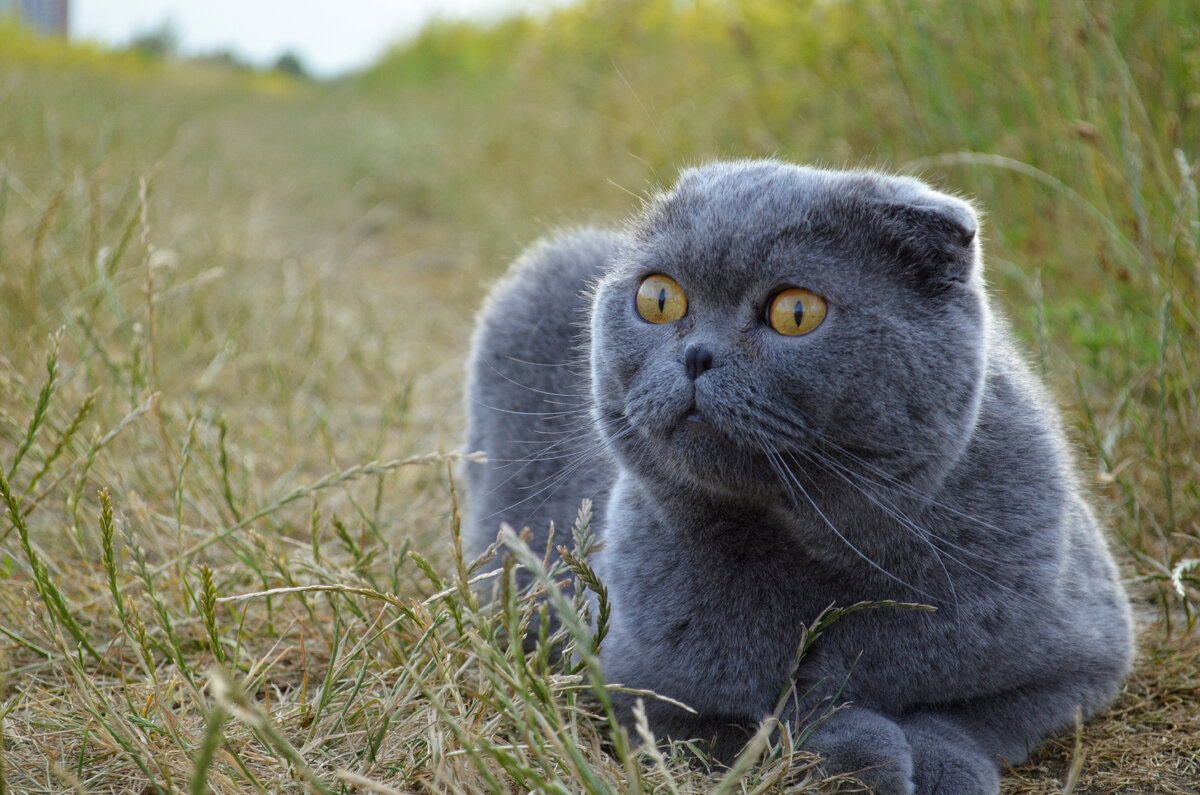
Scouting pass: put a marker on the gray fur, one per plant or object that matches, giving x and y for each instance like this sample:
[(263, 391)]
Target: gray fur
[(900, 451)]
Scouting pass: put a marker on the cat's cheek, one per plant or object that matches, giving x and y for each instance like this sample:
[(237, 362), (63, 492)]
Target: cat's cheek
[(612, 367)]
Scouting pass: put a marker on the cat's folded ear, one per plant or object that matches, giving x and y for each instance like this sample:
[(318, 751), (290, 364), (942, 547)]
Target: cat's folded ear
[(933, 236)]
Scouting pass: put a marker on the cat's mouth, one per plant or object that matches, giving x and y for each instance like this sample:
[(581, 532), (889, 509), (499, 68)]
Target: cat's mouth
[(694, 419)]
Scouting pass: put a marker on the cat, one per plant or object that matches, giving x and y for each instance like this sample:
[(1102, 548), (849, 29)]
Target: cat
[(785, 389)]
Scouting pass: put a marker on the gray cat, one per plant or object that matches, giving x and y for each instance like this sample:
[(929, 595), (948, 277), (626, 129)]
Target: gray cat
[(785, 389)]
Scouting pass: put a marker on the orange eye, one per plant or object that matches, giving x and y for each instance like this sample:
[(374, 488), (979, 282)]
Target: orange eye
[(660, 299), (796, 311)]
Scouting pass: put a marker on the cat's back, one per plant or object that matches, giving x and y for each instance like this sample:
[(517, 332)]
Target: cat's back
[(528, 391)]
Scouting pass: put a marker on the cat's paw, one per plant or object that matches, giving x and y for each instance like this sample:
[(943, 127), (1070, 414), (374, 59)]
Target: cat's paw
[(946, 761), (868, 746)]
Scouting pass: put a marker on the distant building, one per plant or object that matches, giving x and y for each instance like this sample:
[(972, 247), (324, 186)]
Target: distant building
[(48, 17)]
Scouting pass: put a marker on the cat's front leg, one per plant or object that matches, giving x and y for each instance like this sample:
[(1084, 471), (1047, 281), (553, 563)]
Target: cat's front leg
[(919, 755), (867, 745), (946, 760), (959, 747)]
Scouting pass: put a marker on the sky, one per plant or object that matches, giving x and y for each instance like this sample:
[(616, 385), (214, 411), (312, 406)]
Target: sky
[(330, 37)]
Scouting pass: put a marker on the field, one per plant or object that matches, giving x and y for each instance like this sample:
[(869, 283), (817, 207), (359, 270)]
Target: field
[(235, 307)]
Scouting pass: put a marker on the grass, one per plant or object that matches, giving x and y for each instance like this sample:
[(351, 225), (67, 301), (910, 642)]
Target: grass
[(233, 315)]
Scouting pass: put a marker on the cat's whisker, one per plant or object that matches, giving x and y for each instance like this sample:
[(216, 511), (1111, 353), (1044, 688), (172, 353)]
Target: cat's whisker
[(579, 424), (582, 396), (559, 477), (857, 480), (900, 485), (929, 538), (579, 405), (547, 414), (902, 519), (791, 477), (541, 453), (809, 429), (580, 367), (531, 459), (799, 435), (934, 540), (582, 424)]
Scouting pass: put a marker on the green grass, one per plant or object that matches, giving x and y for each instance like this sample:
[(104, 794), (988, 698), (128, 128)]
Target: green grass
[(234, 311)]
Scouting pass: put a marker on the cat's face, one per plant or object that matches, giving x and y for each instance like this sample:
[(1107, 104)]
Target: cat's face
[(764, 314)]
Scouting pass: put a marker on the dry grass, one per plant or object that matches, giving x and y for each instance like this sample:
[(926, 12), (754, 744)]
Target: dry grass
[(233, 314), (1147, 742)]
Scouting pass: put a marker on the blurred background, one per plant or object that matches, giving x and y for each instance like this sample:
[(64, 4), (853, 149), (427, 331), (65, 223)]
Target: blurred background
[(328, 39)]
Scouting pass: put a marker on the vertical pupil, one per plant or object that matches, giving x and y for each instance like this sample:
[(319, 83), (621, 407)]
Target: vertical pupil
[(798, 312), (662, 298)]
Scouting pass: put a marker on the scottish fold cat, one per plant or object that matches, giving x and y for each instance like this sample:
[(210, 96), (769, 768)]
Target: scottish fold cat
[(785, 389)]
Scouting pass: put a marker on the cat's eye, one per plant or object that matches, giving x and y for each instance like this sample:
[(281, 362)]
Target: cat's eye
[(796, 311), (660, 299)]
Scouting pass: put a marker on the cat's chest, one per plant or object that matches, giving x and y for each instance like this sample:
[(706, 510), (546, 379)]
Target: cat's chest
[(746, 568), (713, 616)]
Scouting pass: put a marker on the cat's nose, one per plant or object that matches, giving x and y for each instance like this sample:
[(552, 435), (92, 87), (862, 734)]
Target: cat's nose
[(698, 359)]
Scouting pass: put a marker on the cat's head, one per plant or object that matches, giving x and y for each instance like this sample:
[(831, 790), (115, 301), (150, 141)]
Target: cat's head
[(763, 313)]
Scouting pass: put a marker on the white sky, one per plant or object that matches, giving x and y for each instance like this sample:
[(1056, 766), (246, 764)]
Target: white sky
[(330, 37)]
